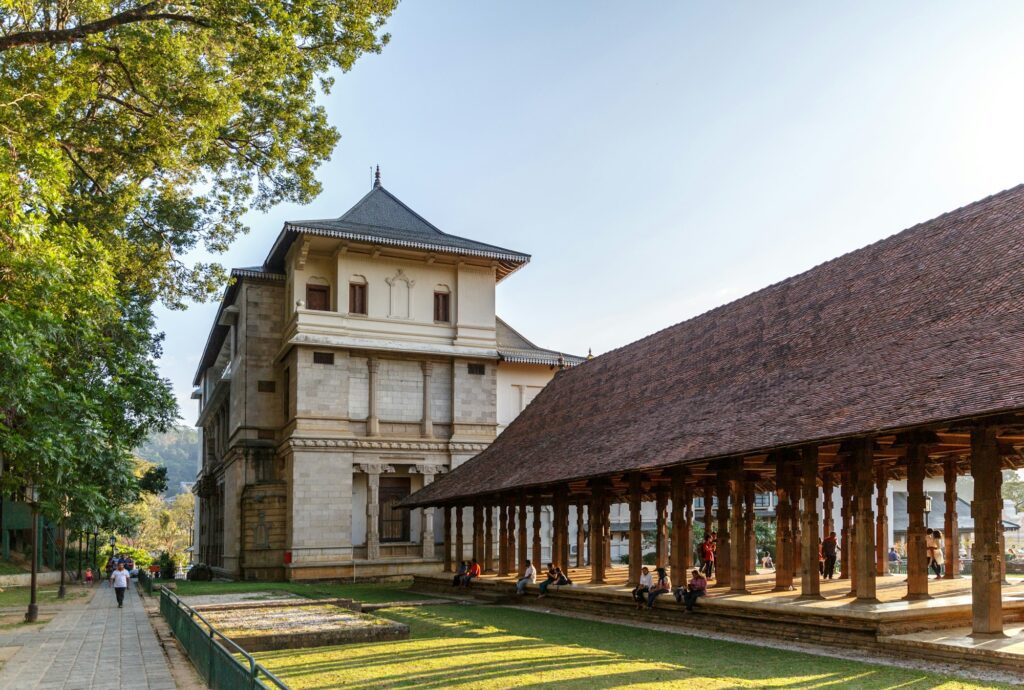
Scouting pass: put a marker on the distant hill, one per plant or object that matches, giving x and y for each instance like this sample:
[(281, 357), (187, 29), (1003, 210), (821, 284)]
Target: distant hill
[(178, 450)]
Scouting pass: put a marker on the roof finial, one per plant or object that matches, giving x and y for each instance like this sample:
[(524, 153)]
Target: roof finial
[(590, 353), (376, 177)]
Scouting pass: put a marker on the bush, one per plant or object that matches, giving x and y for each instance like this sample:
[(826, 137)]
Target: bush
[(200, 572), (141, 557), (168, 565)]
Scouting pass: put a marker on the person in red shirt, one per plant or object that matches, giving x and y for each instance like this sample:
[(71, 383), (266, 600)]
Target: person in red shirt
[(707, 555), (474, 571)]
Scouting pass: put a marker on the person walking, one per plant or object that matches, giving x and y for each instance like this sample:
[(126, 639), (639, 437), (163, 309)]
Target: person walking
[(829, 546), (707, 555), (119, 579), (938, 557)]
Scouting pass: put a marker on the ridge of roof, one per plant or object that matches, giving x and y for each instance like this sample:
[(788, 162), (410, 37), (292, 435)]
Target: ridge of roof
[(525, 351), (380, 217)]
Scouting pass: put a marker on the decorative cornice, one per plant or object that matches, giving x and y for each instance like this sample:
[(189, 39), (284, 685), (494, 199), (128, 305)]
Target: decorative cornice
[(427, 469), (375, 468), (379, 444)]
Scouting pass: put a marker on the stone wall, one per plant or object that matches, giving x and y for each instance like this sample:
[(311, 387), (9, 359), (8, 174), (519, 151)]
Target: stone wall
[(320, 504)]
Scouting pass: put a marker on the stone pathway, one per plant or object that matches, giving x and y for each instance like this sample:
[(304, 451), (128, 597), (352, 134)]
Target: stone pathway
[(95, 645)]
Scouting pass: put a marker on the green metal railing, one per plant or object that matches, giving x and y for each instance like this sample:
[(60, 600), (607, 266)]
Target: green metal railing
[(212, 653)]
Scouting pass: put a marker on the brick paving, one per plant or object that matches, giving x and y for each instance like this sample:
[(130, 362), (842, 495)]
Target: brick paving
[(94, 645)]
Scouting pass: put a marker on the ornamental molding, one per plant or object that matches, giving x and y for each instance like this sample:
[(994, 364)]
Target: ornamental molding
[(375, 468), (367, 444), (428, 469)]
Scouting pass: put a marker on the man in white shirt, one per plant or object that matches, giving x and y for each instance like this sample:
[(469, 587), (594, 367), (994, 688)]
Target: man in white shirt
[(528, 578), (120, 579)]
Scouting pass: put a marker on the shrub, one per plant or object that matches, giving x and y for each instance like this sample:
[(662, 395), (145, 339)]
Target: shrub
[(200, 572)]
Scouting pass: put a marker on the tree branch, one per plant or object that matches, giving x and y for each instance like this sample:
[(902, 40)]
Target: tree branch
[(138, 15)]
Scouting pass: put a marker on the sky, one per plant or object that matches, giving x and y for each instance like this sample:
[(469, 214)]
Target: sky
[(661, 159)]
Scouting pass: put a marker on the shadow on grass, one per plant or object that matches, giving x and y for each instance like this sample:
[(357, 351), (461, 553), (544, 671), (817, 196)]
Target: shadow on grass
[(478, 647)]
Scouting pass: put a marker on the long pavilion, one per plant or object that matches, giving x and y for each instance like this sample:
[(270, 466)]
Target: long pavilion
[(901, 359)]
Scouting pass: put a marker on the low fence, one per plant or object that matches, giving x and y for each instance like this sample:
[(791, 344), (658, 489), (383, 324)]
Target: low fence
[(213, 654)]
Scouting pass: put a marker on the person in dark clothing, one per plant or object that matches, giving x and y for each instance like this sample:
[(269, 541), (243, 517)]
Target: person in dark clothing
[(697, 588), (460, 573), (829, 547)]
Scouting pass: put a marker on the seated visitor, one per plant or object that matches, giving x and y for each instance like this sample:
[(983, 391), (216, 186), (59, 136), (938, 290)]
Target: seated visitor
[(457, 580), (529, 577), (697, 588), (641, 590), (472, 572), (555, 577), (766, 562), (660, 587)]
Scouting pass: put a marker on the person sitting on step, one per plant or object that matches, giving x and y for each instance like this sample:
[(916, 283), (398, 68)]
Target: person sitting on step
[(457, 580), (697, 588), (555, 577), (528, 578), (664, 584), (643, 587), (472, 572)]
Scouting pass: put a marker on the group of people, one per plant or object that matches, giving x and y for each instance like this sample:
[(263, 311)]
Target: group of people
[(648, 590), (466, 573), (554, 576)]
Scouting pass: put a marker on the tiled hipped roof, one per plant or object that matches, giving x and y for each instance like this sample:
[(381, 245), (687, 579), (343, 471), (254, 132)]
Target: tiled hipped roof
[(922, 327)]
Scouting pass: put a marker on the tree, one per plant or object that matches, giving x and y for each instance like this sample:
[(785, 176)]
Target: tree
[(1013, 488), (130, 134), (155, 126)]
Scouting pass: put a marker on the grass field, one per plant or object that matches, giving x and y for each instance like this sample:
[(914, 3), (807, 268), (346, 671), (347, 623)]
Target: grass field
[(369, 593), (493, 647), (19, 596)]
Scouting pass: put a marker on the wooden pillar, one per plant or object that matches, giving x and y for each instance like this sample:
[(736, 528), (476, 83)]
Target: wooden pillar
[(881, 521), (448, 539), (796, 517), (636, 537), (488, 539), (987, 508), (709, 501), (503, 550), (917, 553), (460, 551), (581, 535), (864, 561), (738, 533), (810, 582), (479, 547), (661, 535), (556, 532), (723, 554), (510, 546), (680, 528), (951, 533), (749, 491), (597, 541), (538, 554), (846, 515), (827, 525), (521, 539), (783, 529)]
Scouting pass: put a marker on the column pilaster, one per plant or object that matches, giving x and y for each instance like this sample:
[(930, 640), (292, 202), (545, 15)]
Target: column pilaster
[(428, 421), (917, 552), (951, 533), (987, 507), (810, 582), (372, 420)]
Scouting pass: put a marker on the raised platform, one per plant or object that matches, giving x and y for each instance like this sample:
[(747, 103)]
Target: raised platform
[(834, 619)]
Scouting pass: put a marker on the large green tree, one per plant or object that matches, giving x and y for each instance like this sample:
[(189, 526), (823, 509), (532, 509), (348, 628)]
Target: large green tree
[(132, 133)]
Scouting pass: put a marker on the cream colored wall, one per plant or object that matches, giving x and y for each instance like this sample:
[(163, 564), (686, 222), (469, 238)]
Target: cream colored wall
[(518, 384), (471, 288)]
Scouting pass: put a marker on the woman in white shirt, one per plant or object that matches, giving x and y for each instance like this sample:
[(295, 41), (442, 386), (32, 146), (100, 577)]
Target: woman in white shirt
[(641, 590)]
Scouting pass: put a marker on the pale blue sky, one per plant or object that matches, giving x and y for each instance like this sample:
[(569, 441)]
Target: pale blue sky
[(660, 159)]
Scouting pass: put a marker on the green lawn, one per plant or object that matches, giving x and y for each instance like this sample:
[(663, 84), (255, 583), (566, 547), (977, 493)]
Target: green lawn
[(8, 568), (19, 596), (368, 593), (494, 647)]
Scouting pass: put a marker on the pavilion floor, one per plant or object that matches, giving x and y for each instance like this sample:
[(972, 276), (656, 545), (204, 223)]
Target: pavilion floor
[(937, 627)]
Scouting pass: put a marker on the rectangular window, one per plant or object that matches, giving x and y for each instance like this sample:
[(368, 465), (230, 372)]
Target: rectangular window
[(318, 297), (477, 369), (266, 386), (442, 307), (323, 358), (357, 298)]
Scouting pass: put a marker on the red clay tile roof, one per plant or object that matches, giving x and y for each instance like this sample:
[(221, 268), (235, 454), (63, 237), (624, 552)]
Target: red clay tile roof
[(922, 327)]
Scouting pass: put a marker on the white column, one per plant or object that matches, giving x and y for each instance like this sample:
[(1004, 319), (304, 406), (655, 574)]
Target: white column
[(427, 514), (372, 421), (428, 422)]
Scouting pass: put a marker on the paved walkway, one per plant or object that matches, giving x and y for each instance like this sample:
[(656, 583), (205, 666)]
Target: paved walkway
[(95, 645)]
